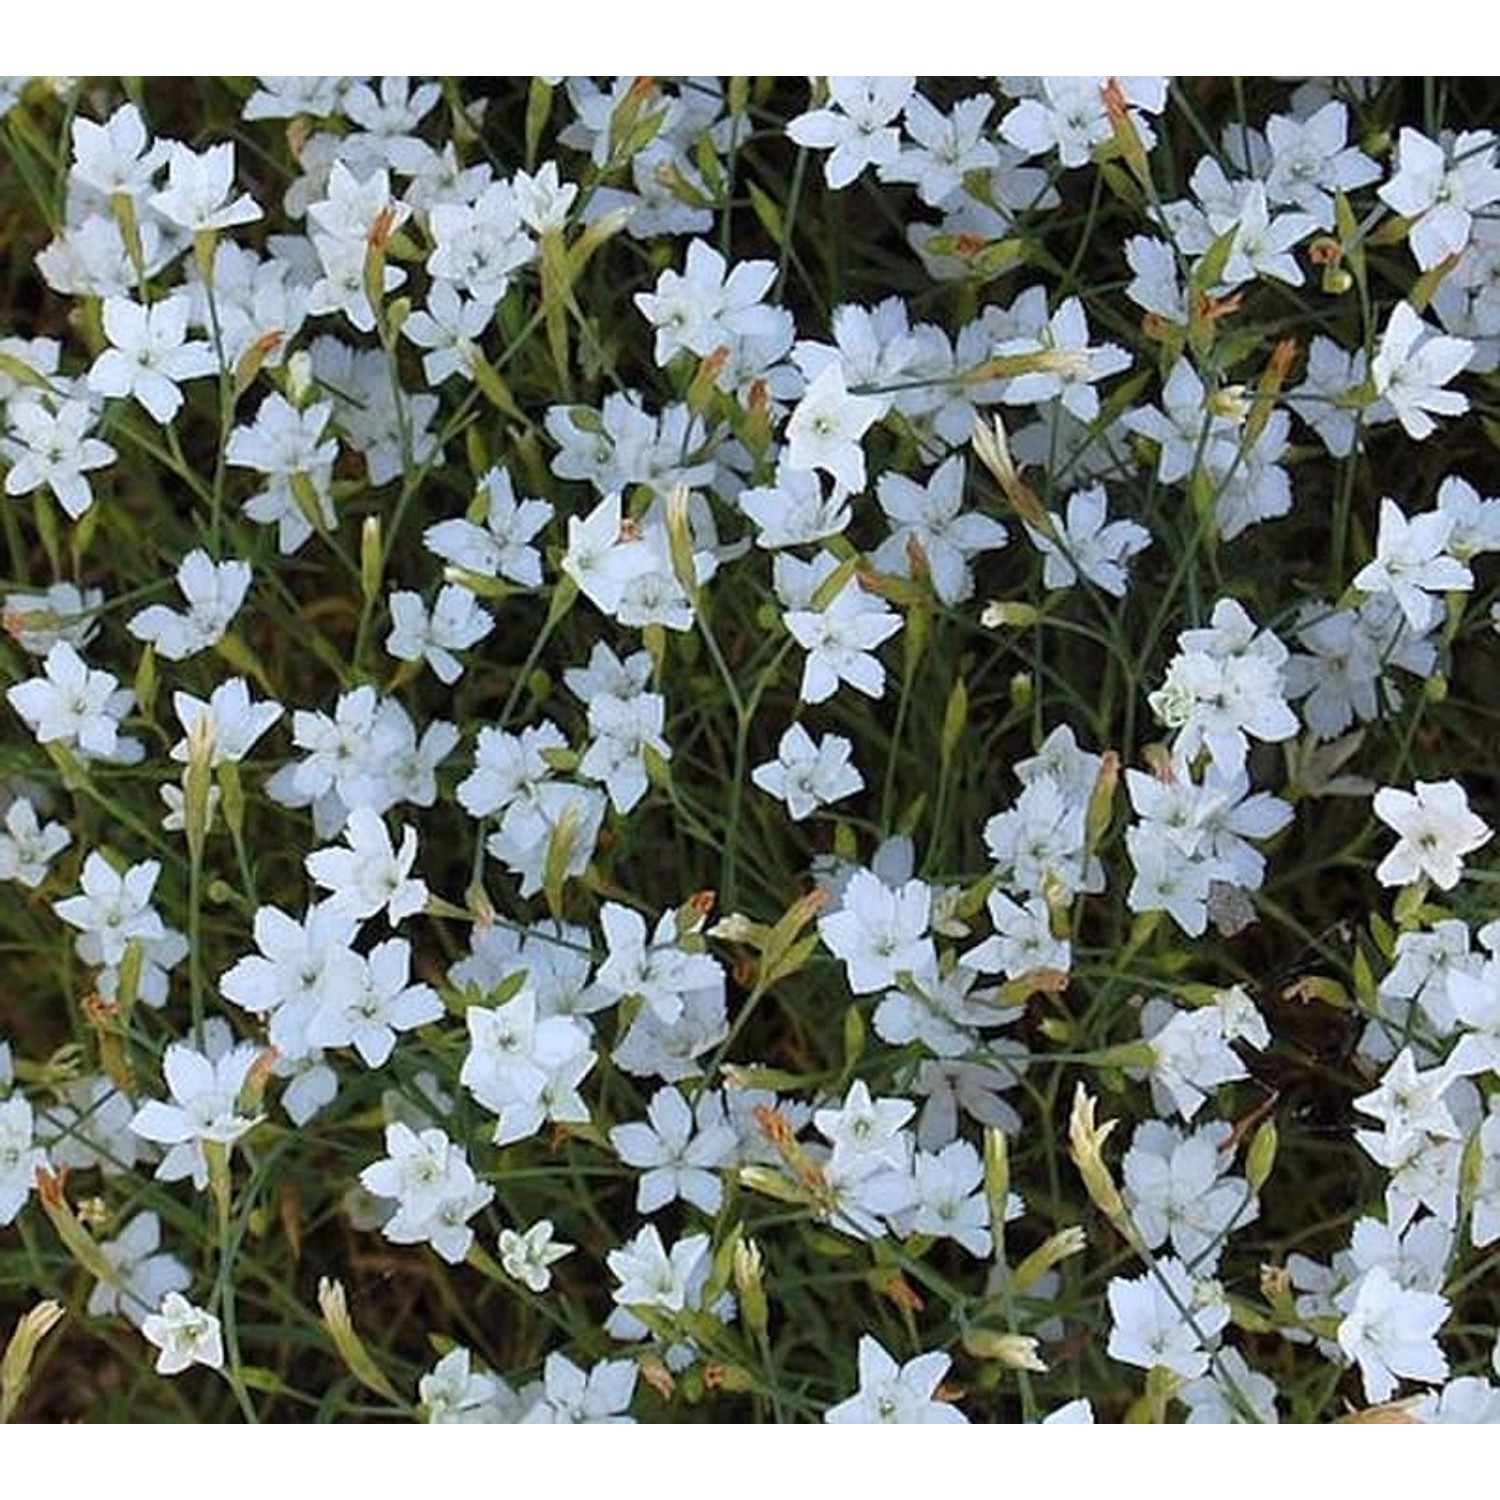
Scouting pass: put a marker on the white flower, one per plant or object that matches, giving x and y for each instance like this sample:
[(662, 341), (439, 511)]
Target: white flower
[(452, 1391), (150, 354), (1162, 1320), (806, 774), (455, 623), (228, 724), (651, 1276), (64, 612), (53, 449), (1412, 563), (604, 556), (1413, 365), (948, 147), (932, 517), (1085, 544), (214, 594), (543, 199), (866, 1133), (284, 443), (368, 1017), (1436, 830), (570, 1396), (26, 846), (116, 157), (840, 641), (205, 1107), (19, 1158), (1390, 1331), (659, 970), (114, 909), (889, 1392), (880, 933), (198, 187), (186, 1335), (1192, 1055), (76, 705), (1066, 365), (676, 1156), (477, 245), (370, 874), (1438, 198), (501, 546), (529, 1256), (143, 1276), (524, 1069), (1231, 1392), (857, 125), (825, 429)]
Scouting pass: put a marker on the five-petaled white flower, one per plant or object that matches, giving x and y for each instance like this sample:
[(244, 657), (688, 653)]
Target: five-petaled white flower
[(1412, 563), (150, 354), (1437, 830), (530, 1256), (1390, 1331), (205, 1107), (186, 1335), (806, 773), (1412, 368), (370, 873), (889, 1392), (825, 429)]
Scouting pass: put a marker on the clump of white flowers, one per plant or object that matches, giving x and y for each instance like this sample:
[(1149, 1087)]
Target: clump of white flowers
[(614, 686)]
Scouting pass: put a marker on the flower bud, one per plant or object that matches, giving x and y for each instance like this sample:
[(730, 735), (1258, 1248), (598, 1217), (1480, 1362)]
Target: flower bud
[(335, 1309), (680, 540), (300, 386), (1012, 613), (996, 1185), (560, 847), (197, 781), (1261, 1156), (955, 720), (1059, 1247), (1015, 1351), (15, 1366), (1086, 1142), (750, 1284)]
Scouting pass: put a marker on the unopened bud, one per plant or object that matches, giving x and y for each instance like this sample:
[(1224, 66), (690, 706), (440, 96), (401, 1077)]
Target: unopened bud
[(750, 1284), (1127, 138), (15, 1366), (371, 561), (1086, 1146), (996, 1186), (992, 448), (335, 1309), (560, 849), (299, 377), (1015, 1351), (737, 928), (955, 720), (1009, 613), (1261, 1156), (1062, 1245), (197, 784), (680, 540), (774, 1184), (1229, 401)]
